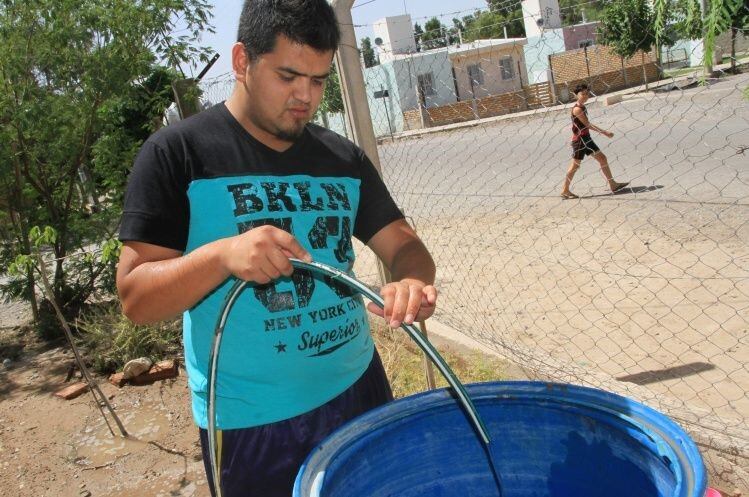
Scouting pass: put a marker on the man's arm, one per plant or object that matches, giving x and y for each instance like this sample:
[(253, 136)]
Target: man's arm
[(578, 112), (412, 296), (156, 283)]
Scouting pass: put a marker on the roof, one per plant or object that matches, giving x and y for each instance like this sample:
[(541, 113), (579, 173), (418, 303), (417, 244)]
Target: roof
[(476, 46)]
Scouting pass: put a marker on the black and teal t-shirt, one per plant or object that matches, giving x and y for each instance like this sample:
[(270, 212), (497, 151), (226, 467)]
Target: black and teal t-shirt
[(291, 345)]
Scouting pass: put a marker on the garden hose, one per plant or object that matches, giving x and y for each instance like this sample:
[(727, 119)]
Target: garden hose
[(357, 286)]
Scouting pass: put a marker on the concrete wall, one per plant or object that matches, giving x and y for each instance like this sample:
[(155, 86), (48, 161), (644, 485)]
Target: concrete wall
[(537, 53), (408, 68), (540, 16), (489, 60), (397, 36), (387, 116), (573, 35)]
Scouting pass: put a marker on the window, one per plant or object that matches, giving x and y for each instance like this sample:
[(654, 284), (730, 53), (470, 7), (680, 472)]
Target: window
[(475, 75), (584, 43), (426, 84), (507, 68)]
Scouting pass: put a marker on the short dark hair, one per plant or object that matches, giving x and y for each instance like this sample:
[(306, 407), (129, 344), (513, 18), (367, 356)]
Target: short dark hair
[(307, 22), (580, 87)]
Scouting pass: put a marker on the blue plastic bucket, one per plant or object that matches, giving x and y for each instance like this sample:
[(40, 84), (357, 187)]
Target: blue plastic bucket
[(549, 439)]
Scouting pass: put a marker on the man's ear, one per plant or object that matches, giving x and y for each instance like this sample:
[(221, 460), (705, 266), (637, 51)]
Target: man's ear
[(239, 61)]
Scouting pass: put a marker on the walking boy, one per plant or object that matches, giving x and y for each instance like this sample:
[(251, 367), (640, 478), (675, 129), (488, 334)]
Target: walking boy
[(583, 144)]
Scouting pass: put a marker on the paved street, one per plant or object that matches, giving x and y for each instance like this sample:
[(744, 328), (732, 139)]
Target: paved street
[(650, 286)]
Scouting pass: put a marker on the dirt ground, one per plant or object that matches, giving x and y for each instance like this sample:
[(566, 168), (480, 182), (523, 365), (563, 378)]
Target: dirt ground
[(51, 447), (57, 448)]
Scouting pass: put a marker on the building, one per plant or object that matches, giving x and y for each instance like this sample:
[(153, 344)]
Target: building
[(405, 78)]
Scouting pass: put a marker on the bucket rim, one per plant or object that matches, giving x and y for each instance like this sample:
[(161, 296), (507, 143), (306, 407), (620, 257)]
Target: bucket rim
[(670, 439)]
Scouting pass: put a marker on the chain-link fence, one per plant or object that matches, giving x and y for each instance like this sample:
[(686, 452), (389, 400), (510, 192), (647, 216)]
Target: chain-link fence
[(645, 291)]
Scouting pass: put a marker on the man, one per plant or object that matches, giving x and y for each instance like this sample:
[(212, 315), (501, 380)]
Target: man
[(233, 192), (583, 144)]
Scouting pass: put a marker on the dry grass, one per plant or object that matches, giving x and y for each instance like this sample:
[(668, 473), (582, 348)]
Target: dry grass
[(402, 359)]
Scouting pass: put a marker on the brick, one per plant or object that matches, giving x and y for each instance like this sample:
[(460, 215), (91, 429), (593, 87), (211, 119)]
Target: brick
[(160, 371), (118, 379), (72, 391)]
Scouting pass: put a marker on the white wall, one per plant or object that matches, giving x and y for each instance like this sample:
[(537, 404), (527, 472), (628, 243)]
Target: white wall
[(438, 64), (547, 10), (490, 66), (397, 36)]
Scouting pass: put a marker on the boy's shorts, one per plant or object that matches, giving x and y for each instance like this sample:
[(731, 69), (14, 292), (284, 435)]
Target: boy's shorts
[(583, 146), (263, 461)]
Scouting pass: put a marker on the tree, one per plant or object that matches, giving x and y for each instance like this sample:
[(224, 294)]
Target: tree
[(492, 24), (368, 53), (79, 90), (435, 35), (332, 99), (685, 18), (626, 27), (571, 11), (418, 32), (739, 23)]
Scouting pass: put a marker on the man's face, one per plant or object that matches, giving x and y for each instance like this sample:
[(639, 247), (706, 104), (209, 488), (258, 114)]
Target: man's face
[(284, 87), (583, 95)]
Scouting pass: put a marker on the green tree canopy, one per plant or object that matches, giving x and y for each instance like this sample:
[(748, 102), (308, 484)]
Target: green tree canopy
[(332, 100), (368, 53), (80, 88), (627, 26), (418, 31), (435, 34)]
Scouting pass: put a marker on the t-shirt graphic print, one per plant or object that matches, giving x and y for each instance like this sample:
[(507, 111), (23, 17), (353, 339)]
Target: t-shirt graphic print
[(293, 344)]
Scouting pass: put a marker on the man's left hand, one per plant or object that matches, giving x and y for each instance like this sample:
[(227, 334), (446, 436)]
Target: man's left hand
[(406, 301)]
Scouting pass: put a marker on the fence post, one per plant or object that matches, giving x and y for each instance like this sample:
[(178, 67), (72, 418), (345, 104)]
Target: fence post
[(552, 84), (587, 62), (355, 95)]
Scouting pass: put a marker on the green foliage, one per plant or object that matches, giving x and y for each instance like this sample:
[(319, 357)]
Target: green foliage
[(435, 35), (721, 15), (627, 26), (79, 91), (110, 339), (746, 93), (368, 53), (486, 24), (571, 11), (418, 32), (332, 99)]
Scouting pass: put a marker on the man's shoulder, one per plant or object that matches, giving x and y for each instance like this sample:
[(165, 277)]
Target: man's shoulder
[(335, 143), (195, 126)]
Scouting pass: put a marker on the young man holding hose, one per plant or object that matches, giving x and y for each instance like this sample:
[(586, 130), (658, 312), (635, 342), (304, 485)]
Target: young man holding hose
[(234, 192)]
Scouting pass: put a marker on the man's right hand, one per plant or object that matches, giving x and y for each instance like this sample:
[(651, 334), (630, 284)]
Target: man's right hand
[(261, 254), (156, 283)]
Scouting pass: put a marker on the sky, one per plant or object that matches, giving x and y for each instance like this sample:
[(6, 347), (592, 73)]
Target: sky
[(364, 12)]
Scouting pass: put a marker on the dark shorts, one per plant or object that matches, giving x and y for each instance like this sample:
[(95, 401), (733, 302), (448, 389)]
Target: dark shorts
[(263, 461), (584, 146)]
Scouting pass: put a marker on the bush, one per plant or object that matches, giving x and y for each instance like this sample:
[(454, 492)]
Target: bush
[(110, 339)]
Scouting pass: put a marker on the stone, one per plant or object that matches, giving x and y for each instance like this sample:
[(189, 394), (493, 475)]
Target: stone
[(136, 366)]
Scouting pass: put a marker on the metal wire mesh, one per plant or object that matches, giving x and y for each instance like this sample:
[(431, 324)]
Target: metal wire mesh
[(644, 292)]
